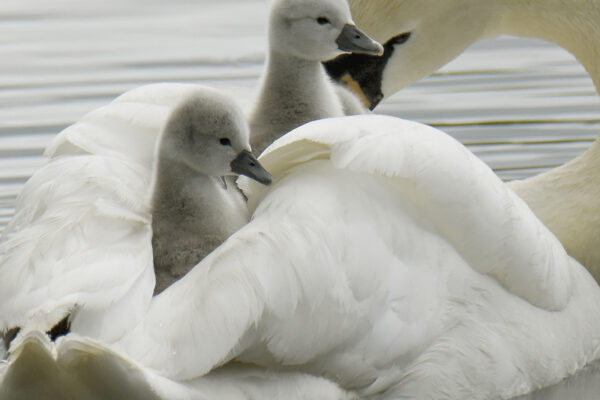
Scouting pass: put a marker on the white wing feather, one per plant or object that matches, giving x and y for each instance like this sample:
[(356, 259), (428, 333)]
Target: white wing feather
[(80, 241)]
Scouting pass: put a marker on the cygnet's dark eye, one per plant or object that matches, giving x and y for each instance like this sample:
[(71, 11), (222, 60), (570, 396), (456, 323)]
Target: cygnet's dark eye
[(323, 21), (225, 141)]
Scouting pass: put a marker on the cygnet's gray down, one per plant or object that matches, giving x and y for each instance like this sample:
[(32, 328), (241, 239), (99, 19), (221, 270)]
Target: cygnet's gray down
[(295, 88), (193, 210)]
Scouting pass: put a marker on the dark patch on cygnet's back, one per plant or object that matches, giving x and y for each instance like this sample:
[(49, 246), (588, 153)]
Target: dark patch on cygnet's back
[(61, 328), (364, 73), (9, 336)]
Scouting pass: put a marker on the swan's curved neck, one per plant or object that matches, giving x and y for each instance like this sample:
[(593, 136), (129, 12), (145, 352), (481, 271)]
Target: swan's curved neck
[(571, 24)]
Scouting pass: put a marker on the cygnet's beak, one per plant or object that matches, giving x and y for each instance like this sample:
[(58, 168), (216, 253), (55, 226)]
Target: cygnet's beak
[(353, 40), (246, 164)]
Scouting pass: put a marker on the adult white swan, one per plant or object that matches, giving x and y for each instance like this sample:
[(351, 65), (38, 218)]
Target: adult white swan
[(427, 34), (388, 259)]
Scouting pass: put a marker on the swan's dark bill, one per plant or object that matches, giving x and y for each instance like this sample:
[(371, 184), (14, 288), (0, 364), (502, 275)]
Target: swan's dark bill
[(246, 164), (363, 73), (353, 40)]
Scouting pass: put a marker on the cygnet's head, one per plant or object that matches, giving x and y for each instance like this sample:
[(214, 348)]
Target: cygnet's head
[(209, 134), (317, 30)]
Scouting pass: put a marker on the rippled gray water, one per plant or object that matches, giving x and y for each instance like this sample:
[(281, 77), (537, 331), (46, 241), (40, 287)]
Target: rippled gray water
[(522, 105)]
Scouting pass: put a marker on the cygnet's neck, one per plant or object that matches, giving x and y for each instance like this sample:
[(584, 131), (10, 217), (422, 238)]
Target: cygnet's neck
[(192, 214), (294, 91), (181, 194)]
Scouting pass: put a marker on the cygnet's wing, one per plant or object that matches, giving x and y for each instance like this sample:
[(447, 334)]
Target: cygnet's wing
[(79, 242), (377, 238)]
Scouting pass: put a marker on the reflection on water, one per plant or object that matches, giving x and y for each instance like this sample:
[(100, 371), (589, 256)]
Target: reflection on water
[(522, 105)]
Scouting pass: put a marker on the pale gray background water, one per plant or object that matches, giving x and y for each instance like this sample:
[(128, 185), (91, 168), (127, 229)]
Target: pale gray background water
[(522, 105)]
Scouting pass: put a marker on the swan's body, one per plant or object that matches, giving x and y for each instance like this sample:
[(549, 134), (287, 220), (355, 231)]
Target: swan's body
[(193, 209), (295, 88), (385, 258), (389, 259), (566, 199)]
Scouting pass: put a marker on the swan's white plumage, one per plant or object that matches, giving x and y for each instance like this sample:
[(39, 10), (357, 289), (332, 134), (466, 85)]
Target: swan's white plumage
[(565, 198), (79, 236), (363, 264), (438, 166)]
